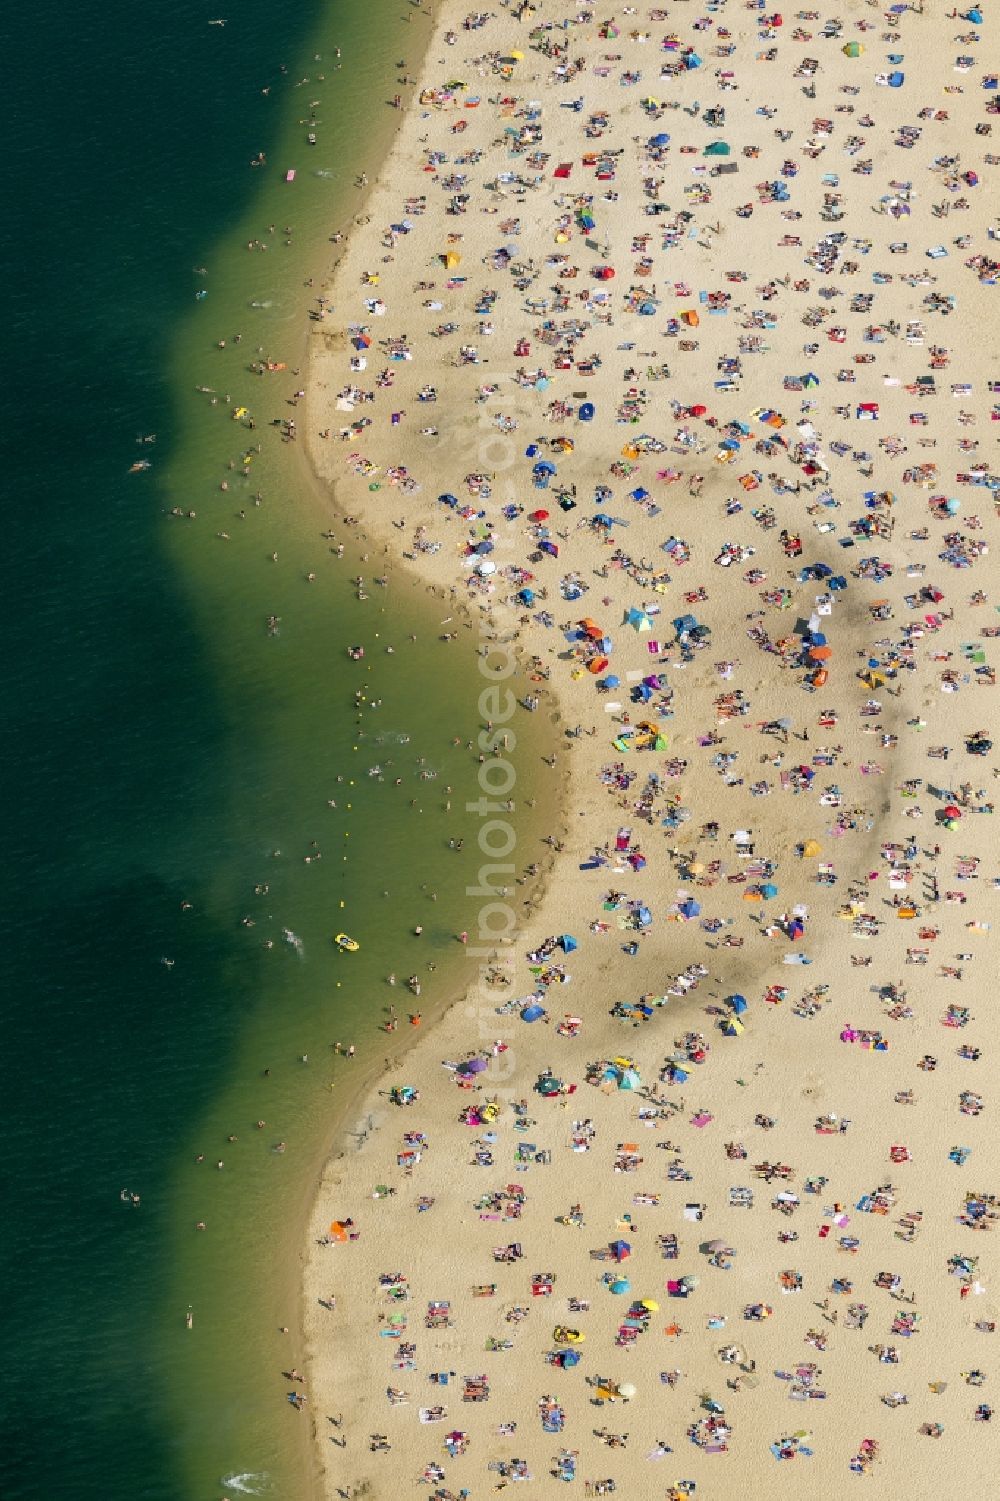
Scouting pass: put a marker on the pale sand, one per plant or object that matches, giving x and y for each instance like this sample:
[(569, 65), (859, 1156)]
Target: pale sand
[(789, 1067)]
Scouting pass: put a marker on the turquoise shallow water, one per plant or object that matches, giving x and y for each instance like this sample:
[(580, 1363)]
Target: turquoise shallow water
[(161, 746)]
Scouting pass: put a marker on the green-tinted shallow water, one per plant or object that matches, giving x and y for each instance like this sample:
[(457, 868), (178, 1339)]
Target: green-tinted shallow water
[(162, 745)]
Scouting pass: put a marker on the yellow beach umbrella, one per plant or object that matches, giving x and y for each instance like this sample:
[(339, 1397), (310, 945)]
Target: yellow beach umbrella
[(650, 1305)]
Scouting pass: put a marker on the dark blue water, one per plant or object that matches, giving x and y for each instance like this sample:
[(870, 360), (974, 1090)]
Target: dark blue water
[(122, 124), (140, 774)]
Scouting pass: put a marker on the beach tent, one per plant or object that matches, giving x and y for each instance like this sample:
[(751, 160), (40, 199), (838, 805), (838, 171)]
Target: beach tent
[(638, 619), (732, 1027), (736, 1003), (621, 1285), (621, 1250), (450, 259), (338, 1231), (689, 909), (717, 148), (567, 944), (532, 1013)]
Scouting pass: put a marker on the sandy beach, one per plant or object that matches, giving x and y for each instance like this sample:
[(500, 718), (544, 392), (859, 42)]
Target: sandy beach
[(655, 352)]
